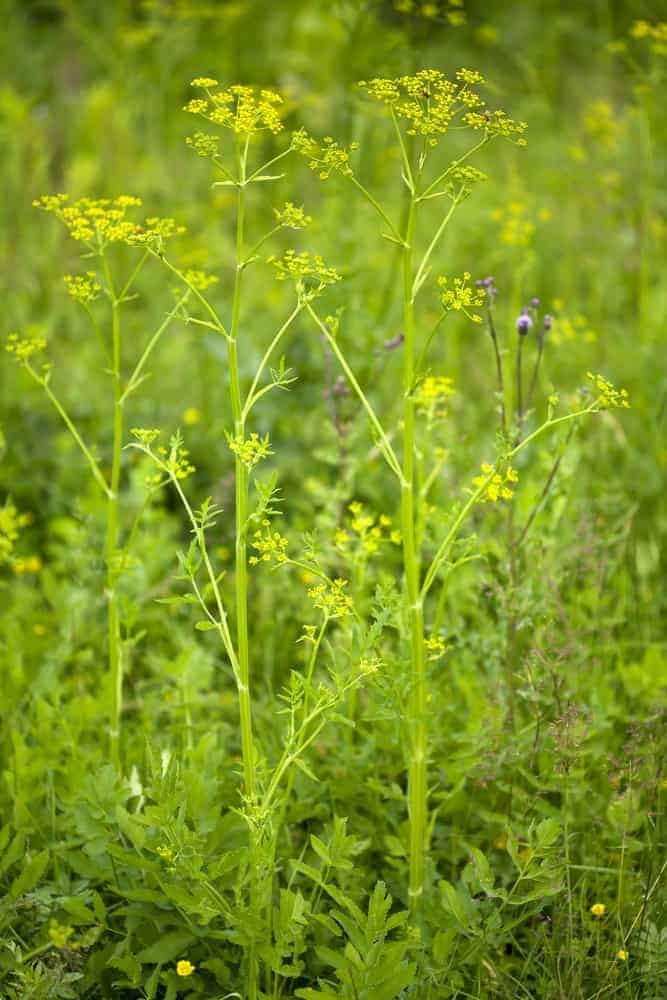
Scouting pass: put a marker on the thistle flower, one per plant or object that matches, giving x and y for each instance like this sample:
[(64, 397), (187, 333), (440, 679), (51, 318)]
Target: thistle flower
[(524, 323), (548, 322)]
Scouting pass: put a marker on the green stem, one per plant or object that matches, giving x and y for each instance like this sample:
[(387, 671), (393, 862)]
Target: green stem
[(417, 789), (113, 617), (136, 375), (253, 394), (241, 557), (94, 467), (384, 444)]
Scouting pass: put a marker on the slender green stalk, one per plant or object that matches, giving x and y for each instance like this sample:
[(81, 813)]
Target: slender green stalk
[(136, 377), (241, 554), (94, 467), (241, 500), (417, 794), (113, 616), (384, 444)]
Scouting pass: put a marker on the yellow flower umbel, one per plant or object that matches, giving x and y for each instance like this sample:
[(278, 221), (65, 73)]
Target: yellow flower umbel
[(498, 486), (430, 103), (308, 272), (461, 297), (331, 598), (243, 110), (324, 157), (598, 910), (185, 968), (609, 397), (99, 221)]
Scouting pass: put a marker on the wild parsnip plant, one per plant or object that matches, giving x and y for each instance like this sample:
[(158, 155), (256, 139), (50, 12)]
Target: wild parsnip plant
[(98, 224), (377, 710)]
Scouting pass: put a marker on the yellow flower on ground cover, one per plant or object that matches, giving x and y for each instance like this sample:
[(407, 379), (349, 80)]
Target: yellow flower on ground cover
[(185, 968)]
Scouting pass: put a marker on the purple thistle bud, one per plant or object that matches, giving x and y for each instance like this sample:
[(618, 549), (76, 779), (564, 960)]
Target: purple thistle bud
[(524, 323), (391, 345), (548, 322), (535, 302)]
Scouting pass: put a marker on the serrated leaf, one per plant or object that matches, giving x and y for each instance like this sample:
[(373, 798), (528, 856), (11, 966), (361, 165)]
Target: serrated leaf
[(30, 875)]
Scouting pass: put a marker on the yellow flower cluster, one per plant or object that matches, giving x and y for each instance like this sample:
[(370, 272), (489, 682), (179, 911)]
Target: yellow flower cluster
[(462, 297), (177, 462), (98, 221), (29, 564), (23, 348), (11, 523), (609, 397), (464, 178), (429, 102), (83, 288), (517, 226), (165, 853), (250, 450), (244, 110), (325, 157), (601, 122), (497, 487), (367, 529), (432, 388), (271, 545), (451, 11), (59, 934), (145, 436), (568, 328), (204, 144), (292, 217), (199, 279), (331, 598), (308, 272), (191, 416), (656, 33), (435, 646)]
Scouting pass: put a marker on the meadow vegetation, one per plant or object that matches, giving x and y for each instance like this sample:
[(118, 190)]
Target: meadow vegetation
[(332, 459)]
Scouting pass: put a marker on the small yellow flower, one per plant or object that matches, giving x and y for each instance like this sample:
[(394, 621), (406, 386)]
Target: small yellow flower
[(191, 416), (39, 629), (184, 968), (598, 909), (622, 955)]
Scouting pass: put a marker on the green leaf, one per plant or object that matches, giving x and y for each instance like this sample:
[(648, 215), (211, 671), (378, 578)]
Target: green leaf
[(167, 948), (30, 875), (321, 849), (453, 903), (205, 626)]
